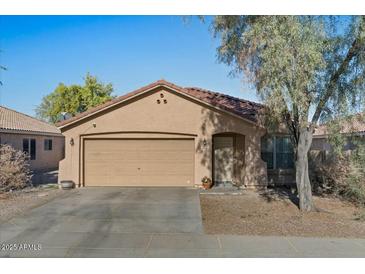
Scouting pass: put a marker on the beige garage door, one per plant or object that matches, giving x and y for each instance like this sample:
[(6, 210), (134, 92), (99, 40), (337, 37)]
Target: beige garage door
[(139, 162)]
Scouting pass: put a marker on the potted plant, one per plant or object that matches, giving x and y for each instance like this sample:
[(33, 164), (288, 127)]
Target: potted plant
[(67, 184), (207, 182)]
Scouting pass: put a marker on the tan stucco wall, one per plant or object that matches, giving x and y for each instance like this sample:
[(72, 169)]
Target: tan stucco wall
[(45, 160), (181, 117)]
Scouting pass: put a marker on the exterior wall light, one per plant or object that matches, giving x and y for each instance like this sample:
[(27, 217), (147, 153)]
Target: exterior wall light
[(72, 141), (204, 142), (94, 124)]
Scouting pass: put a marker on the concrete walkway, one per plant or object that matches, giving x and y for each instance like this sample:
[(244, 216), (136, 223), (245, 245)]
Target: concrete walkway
[(132, 222)]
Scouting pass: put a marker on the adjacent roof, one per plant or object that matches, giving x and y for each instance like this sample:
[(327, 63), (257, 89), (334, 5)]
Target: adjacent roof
[(354, 124), (16, 121), (243, 108)]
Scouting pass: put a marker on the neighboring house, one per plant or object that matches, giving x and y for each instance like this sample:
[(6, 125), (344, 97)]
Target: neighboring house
[(278, 153), (354, 126), (43, 142), (165, 135)]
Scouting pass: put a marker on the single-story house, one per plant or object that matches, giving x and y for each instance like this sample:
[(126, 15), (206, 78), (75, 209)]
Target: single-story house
[(166, 135), (353, 126), (43, 142)]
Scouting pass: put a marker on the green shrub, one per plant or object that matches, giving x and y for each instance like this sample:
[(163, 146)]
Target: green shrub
[(14, 169)]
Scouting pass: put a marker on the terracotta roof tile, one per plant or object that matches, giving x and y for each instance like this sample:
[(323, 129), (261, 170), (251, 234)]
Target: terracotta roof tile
[(243, 108), (13, 120), (240, 107), (354, 124)]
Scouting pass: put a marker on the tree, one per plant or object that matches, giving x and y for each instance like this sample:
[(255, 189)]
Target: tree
[(304, 68), (73, 99)]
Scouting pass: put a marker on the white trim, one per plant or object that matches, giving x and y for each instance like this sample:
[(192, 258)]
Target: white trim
[(148, 90)]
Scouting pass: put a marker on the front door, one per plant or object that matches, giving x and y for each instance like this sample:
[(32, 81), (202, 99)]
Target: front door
[(223, 159)]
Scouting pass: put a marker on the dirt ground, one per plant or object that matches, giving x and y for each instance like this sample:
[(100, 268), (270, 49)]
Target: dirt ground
[(275, 213), (18, 202)]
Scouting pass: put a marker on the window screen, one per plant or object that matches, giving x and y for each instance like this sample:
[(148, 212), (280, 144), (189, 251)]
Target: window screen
[(48, 144)]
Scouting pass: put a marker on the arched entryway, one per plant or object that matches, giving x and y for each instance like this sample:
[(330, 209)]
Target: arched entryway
[(228, 159)]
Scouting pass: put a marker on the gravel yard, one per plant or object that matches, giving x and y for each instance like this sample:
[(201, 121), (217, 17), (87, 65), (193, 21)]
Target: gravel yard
[(18, 202), (272, 213)]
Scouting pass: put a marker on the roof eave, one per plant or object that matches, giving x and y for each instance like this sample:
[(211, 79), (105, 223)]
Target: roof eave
[(29, 132)]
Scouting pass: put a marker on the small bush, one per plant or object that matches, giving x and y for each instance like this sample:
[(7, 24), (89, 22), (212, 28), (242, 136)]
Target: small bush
[(341, 175), (354, 189), (14, 169)]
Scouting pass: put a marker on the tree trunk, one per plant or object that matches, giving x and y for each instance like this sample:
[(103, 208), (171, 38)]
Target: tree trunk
[(302, 171)]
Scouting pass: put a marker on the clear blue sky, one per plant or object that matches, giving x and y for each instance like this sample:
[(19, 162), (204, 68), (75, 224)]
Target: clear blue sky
[(128, 51)]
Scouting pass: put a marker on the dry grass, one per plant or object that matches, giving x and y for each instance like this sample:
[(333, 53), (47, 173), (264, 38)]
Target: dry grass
[(16, 203), (275, 213)]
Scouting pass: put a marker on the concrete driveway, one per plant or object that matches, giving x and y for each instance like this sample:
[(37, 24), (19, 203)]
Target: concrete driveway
[(104, 217), (146, 222)]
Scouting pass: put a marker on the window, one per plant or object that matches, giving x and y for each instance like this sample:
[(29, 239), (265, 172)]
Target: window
[(284, 153), (29, 147), (267, 152), (48, 144), (32, 149), (26, 146), (277, 152)]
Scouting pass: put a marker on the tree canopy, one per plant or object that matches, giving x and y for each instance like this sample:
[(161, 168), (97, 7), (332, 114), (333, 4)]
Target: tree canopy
[(304, 68), (73, 99)]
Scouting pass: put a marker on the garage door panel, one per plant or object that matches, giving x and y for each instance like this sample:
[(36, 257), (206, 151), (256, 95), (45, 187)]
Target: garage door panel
[(136, 153), (177, 167), (145, 181), (152, 162)]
